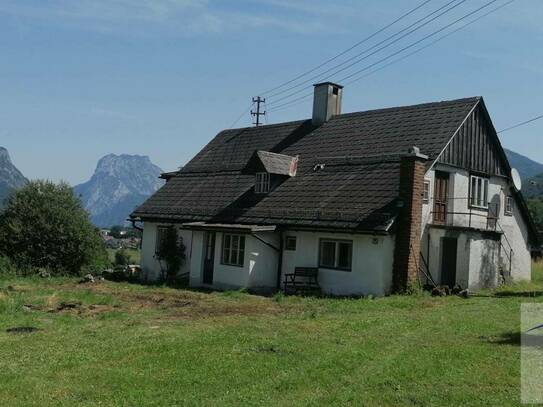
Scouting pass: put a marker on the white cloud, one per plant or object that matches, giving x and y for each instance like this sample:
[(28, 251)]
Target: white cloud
[(146, 17)]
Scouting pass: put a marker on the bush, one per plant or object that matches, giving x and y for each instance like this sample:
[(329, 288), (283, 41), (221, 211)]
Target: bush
[(122, 258), (171, 254), (6, 267), (45, 226)]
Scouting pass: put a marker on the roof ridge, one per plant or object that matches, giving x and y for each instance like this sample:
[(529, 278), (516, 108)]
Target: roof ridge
[(262, 126), (417, 105)]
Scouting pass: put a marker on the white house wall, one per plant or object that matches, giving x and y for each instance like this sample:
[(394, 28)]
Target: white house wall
[(475, 250), (259, 269), (371, 263), (149, 264)]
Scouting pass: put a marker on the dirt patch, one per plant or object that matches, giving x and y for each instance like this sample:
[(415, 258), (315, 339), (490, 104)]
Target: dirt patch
[(185, 304), (22, 330)]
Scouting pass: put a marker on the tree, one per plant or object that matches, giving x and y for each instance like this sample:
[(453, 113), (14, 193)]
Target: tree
[(122, 257), (170, 254), (536, 209), (45, 226)]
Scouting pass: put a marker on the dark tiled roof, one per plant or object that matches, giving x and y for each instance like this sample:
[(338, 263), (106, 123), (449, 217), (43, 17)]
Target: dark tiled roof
[(356, 189)]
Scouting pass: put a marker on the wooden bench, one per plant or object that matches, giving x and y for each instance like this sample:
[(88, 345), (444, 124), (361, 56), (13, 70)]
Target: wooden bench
[(304, 280)]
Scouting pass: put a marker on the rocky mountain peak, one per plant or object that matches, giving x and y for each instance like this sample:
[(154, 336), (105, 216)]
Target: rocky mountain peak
[(10, 177), (118, 185)]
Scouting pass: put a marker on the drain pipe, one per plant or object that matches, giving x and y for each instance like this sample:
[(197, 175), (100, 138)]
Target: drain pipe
[(280, 261)]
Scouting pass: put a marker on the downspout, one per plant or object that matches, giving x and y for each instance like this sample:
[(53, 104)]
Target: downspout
[(280, 261), (133, 221)]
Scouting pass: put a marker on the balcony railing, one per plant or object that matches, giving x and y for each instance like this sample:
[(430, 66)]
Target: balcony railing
[(463, 214), (472, 217)]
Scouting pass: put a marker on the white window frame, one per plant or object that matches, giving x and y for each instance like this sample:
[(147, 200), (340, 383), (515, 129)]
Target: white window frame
[(262, 182), (509, 206), (426, 191), (290, 239), (478, 192), (233, 249), (336, 266)]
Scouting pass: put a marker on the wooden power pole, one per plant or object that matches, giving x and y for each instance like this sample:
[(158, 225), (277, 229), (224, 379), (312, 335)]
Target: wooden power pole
[(258, 100)]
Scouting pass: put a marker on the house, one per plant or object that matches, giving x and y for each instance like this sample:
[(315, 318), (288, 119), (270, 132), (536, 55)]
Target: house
[(376, 200)]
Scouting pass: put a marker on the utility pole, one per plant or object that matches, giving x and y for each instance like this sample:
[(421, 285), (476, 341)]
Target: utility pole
[(258, 100)]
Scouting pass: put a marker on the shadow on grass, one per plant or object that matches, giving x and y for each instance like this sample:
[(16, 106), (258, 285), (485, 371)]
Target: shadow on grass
[(516, 338), (518, 294)]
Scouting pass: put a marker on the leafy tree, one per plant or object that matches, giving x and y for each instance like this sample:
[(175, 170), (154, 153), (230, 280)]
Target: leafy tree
[(122, 257), (536, 209), (171, 254), (45, 226)]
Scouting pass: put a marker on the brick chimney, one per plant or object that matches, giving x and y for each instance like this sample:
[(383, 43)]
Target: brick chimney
[(326, 102), (408, 227)]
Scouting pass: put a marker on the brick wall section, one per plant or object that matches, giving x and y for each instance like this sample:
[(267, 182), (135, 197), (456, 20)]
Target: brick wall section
[(408, 227)]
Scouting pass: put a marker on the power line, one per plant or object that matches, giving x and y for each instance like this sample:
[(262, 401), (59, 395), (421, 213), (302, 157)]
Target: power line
[(319, 77), (521, 124), (431, 43), (350, 48), (292, 102), (421, 40), (241, 115)]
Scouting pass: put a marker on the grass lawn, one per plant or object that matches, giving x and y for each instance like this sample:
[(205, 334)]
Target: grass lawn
[(116, 344)]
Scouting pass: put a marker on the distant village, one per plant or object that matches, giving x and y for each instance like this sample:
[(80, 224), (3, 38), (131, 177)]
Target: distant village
[(119, 237)]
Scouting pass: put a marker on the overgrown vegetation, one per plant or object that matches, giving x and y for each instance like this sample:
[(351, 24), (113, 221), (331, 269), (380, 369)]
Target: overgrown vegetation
[(536, 209), (170, 254), (122, 257), (44, 227), (124, 344)]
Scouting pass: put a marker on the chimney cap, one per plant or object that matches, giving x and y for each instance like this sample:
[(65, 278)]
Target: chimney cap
[(328, 83)]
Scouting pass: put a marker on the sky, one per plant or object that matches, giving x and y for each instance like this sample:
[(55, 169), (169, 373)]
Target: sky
[(80, 79)]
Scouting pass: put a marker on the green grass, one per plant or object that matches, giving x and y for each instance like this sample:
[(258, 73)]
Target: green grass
[(131, 345)]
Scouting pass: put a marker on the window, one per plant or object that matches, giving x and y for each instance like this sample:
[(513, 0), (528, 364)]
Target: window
[(262, 184), (509, 205), (233, 249), (426, 192), (161, 233), (478, 192), (290, 243), (336, 254)]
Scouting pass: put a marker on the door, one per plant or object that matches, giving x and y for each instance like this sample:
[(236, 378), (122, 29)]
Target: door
[(209, 257), (441, 196), (448, 261)]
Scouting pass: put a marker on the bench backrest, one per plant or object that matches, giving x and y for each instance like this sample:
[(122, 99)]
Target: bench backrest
[(306, 271)]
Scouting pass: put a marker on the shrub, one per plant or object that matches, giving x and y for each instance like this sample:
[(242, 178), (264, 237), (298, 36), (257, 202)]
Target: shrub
[(171, 254), (122, 257), (45, 226), (6, 266)]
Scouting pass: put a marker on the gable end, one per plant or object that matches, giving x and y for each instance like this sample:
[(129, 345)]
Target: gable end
[(475, 146)]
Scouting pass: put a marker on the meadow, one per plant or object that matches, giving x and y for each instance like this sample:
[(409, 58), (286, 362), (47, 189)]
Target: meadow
[(120, 344)]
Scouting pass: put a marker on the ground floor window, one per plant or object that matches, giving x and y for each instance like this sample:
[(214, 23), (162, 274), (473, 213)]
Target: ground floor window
[(161, 232), (336, 254), (233, 249), (290, 243)]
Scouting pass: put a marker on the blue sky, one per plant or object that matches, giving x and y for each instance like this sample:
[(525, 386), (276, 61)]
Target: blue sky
[(81, 79)]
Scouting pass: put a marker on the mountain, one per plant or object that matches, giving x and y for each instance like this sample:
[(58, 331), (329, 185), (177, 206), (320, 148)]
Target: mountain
[(118, 185), (10, 177), (526, 167)]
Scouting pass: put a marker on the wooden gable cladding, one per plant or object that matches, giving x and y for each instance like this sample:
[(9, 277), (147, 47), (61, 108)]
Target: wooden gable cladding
[(475, 146)]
